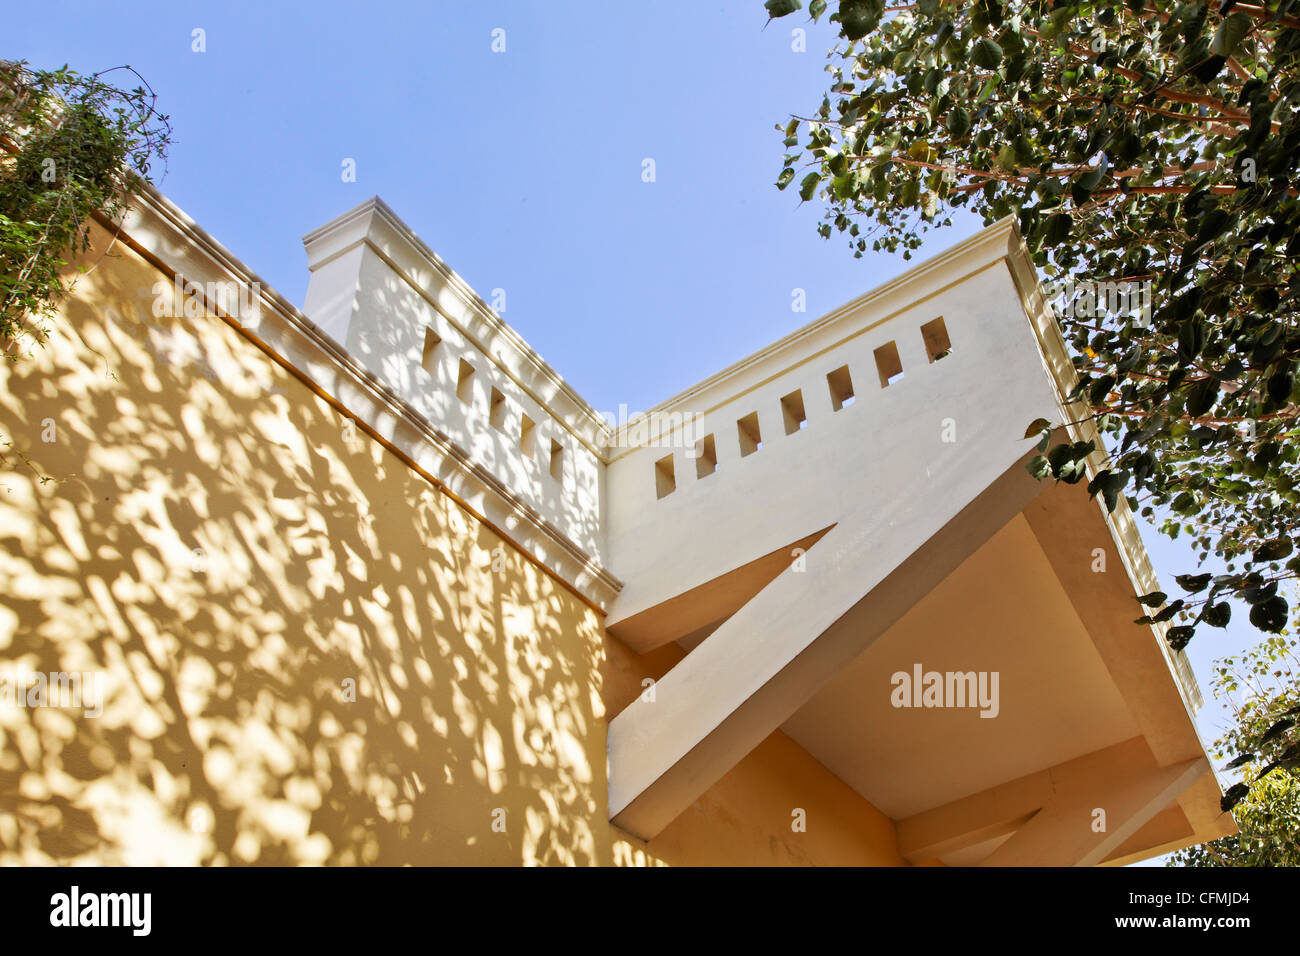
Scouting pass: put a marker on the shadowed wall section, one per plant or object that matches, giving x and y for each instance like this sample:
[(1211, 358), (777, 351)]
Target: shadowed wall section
[(307, 652)]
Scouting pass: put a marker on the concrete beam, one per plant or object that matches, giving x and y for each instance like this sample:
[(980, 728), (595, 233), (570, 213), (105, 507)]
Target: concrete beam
[(1130, 791), (972, 820), (702, 606), (1167, 831), (1008, 807), (1065, 521)]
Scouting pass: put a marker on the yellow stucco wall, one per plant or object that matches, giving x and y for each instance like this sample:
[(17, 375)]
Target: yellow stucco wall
[(308, 653)]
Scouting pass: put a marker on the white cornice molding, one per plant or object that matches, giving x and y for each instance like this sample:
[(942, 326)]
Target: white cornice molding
[(159, 228)]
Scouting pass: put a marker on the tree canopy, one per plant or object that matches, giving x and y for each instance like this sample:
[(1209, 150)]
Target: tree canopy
[(1133, 143), (1261, 689)]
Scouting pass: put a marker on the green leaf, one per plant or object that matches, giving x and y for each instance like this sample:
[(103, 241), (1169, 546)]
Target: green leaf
[(1217, 615), (1109, 484), (1037, 427), (986, 53), (910, 193), (860, 17), (987, 89), (1169, 612), (1231, 30), (1274, 550), (1281, 385), (1100, 388), (781, 8), (1191, 339), (1279, 727), (1090, 180), (1154, 599), (1240, 760), (957, 122), (1260, 594), (1179, 637), (1201, 397), (1193, 583), (1208, 69), (1235, 794), (1270, 615), (784, 179), (1060, 457), (1212, 225), (816, 8), (1057, 229), (808, 188)]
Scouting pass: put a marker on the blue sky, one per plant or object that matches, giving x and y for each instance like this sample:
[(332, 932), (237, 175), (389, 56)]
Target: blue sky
[(522, 169)]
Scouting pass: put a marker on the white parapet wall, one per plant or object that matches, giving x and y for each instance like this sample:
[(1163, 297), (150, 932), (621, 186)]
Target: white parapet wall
[(876, 402), (422, 332)]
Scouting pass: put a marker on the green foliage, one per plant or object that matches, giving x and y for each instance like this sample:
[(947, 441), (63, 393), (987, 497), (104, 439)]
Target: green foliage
[(1269, 821), (71, 146), (1138, 143), (1262, 689)]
